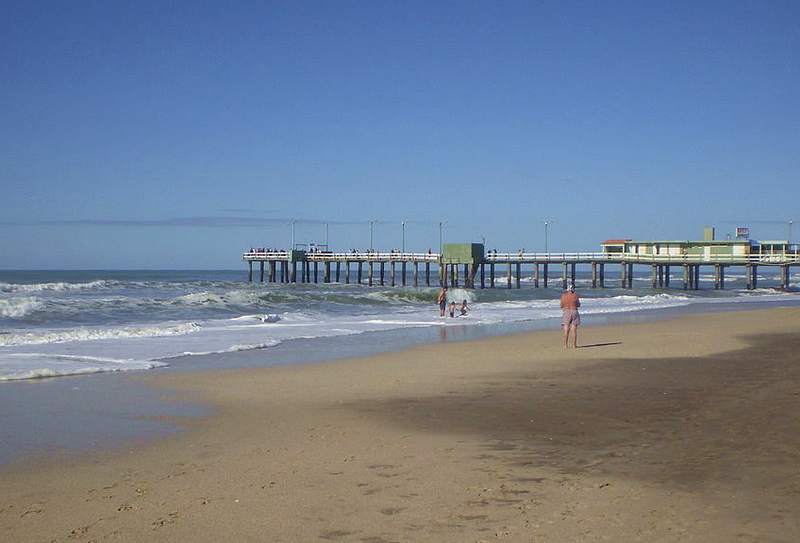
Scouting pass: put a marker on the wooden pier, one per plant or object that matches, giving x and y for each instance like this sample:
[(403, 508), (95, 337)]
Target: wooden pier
[(462, 268)]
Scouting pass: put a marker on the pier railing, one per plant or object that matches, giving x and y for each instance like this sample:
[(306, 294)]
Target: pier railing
[(638, 258), (523, 257), (329, 256)]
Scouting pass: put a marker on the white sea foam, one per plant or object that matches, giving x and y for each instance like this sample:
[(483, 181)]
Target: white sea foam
[(16, 308), (21, 366), (56, 286), (92, 334)]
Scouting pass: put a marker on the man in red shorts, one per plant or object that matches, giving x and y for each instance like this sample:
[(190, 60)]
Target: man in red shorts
[(571, 319)]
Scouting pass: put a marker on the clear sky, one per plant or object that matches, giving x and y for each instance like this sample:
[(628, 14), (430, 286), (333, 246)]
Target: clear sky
[(175, 135)]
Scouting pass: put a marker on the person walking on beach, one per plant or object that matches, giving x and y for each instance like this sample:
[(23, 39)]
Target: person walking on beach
[(571, 318), (442, 301)]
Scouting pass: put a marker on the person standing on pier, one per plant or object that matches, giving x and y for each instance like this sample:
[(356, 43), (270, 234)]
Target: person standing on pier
[(442, 301), (570, 302)]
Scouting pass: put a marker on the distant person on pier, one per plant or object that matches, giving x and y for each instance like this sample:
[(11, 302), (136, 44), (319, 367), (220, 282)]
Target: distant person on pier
[(571, 319), (442, 300)]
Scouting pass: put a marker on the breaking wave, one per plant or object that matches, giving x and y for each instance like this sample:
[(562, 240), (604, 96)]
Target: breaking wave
[(90, 334)]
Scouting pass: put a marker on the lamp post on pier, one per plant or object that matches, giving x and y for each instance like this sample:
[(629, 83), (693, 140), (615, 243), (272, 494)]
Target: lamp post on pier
[(546, 236), (441, 237), (403, 245), (371, 225), (292, 247), (326, 237)]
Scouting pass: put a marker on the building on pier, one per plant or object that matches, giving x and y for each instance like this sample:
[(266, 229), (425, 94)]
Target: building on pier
[(707, 248)]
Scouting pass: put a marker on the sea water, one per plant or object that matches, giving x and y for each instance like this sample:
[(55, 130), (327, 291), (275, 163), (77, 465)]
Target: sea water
[(56, 323)]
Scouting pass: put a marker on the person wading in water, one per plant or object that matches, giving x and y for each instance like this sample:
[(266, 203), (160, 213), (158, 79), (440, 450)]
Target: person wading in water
[(442, 301)]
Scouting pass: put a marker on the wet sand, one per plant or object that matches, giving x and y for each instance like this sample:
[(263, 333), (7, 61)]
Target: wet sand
[(678, 430)]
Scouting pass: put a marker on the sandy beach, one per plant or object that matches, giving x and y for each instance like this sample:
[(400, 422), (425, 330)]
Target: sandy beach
[(675, 430)]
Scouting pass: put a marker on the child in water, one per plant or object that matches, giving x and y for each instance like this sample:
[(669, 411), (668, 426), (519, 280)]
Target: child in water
[(452, 309), (464, 308)]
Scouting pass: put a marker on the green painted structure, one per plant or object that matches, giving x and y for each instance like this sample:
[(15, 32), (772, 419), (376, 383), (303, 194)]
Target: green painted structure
[(462, 253)]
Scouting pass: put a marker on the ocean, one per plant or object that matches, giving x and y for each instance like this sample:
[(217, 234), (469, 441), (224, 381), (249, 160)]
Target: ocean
[(58, 323)]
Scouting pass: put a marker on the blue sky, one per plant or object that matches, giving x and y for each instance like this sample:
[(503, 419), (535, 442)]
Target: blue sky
[(141, 135)]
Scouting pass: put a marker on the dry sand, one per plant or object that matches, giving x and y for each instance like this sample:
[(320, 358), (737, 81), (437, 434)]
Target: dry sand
[(679, 430)]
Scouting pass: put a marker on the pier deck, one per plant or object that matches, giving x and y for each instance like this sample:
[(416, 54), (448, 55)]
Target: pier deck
[(282, 266)]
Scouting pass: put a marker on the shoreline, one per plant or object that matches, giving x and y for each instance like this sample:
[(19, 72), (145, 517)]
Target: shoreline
[(413, 423)]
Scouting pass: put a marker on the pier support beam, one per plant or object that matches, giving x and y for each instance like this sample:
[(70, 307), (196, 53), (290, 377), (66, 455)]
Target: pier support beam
[(403, 273), (686, 277), (661, 276), (623, 274), (416, 274), (338, 269), (666, 275), (454, 274), (382, 273), (359, 271), (369, 273), (697, 277), (272, 271), (535, 275), (261, 270), (250, 271), (564, 276), (630, 275), (468, 276), (519, 273), (392, 273), (594, 274), (491, 275), (572, 273), (544, 274), (483, 275), (327, 276), (785, 275), (293, 272), (442, 274), (316, 272), (654, 275), (508, 278), (722, 277), (346, 272), (602, 275), (427, 274)]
